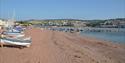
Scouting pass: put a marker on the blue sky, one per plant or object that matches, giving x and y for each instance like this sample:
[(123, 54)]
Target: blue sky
[(62, 9)]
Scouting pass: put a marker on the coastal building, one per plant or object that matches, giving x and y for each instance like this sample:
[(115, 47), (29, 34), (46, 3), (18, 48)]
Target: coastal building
[(65, 23), (80, 24), (2, 23), (5, 23), (118, 23), (113, 24), (122, 24), (10, 23)]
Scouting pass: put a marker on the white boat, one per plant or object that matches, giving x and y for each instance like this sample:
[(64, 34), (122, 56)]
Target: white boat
[(13, 33), (14, 30), (21, 35), (13, 41), (23, 38)]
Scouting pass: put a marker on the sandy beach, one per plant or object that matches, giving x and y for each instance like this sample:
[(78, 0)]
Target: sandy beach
[(60, 47)]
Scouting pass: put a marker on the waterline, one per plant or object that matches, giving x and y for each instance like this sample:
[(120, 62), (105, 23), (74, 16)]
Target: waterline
[(109, 36)]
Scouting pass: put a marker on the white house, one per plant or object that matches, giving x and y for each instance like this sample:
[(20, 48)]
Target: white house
[(4, 23)]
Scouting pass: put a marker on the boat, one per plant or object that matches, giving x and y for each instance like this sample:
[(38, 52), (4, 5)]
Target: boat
[(14, 35), (13, 31), (17, 42), (22, 38)]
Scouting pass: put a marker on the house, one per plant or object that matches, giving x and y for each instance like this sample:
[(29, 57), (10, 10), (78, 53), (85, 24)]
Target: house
[(80, 24), (113, 24), (5, 23), (2, 23)]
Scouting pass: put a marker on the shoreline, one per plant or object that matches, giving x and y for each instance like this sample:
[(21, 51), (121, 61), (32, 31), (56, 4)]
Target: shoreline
[(96, 39), (106, 37), (101, 39), (60, 47)]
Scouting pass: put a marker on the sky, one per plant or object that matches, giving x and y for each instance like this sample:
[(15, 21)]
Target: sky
[(62, 9)]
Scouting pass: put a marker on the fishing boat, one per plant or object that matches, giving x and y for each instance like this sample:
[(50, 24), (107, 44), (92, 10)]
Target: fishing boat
[(14, 36), (12, 33), (16, 42), (14, 30)]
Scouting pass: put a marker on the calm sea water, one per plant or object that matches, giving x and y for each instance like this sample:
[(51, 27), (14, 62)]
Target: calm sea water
[(109, 36), (118, 37)]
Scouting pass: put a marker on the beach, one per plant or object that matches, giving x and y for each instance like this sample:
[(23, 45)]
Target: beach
[(61, 47)]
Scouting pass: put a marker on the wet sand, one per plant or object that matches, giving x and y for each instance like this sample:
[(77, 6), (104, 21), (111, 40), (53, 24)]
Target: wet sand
[(60, 47)]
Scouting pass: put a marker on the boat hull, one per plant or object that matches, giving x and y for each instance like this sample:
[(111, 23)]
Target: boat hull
[(17, 42)]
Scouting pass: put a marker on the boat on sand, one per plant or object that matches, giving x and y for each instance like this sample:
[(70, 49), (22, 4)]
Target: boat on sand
[(17, 42)]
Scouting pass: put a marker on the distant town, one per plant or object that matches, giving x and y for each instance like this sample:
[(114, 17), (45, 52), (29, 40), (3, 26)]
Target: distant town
[(108, 23)]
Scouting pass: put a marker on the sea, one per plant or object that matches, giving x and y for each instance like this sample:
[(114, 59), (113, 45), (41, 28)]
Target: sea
[(117, 37)]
